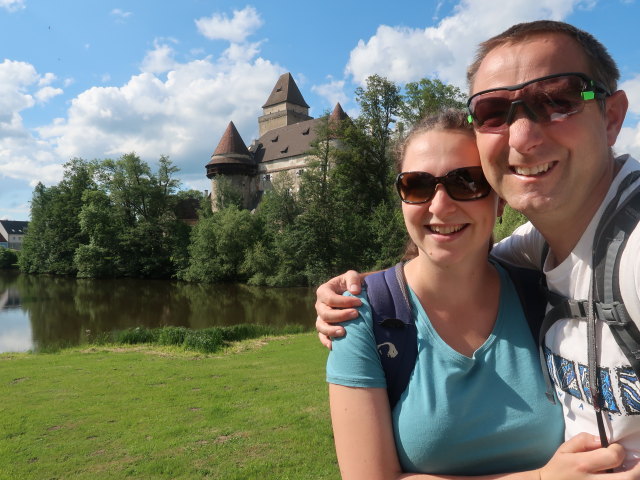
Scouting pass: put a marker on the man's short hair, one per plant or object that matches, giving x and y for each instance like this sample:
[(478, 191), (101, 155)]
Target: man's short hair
[(601, 65)]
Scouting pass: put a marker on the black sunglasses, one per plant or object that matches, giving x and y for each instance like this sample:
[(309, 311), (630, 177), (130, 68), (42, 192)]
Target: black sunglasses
[(462, 184), (546, 99)]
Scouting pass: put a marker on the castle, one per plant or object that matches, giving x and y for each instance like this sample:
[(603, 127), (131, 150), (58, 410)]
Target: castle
[(286, 131)]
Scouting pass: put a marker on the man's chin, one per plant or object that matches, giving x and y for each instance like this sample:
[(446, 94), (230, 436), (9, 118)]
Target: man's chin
[(531, 205)]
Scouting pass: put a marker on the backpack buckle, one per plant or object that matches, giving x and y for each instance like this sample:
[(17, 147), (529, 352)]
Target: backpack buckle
[(611, 314)]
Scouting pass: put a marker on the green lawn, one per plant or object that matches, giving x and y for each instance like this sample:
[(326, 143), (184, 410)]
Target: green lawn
[(259, 412)]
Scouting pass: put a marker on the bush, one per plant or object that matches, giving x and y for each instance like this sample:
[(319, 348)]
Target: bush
[(172, 335), (207, 340), (8, 258)]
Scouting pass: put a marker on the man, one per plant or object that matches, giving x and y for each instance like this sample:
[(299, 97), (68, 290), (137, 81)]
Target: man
[(550, 157)]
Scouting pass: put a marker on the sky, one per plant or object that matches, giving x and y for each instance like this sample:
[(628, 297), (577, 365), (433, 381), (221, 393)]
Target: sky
[(99, 79)]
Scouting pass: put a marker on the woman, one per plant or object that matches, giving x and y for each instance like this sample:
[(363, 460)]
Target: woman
[(474, 403)]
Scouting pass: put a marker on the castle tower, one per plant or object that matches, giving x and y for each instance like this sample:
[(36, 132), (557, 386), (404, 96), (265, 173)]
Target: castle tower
[(285, 106), (233, 161), (338, 114)]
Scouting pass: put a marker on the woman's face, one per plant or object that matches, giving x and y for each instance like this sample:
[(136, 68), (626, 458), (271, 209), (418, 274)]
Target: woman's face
[(447, 231)]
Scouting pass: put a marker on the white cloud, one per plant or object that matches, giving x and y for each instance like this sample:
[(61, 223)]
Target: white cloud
[(332, 91), (402, 54), (22, 155), (236, 29), (160, 59), (47, 93), (183, 114), (47, 79), (15, 80), (121, 15), (12, 5), (632, 89)]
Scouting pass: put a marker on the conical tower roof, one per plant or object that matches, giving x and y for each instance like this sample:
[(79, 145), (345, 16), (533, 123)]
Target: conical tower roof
[(338, 114), (231, 143), (285, 90), (231, 155)]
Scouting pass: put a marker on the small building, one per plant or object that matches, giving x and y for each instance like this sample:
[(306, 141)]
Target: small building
[(286, 133), (12, 233)]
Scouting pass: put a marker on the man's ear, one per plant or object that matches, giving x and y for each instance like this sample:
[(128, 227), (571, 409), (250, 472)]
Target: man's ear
[(501, 205), (616, 107)]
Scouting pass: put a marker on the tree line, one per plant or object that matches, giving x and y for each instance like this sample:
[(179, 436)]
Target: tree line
[(118, 218)]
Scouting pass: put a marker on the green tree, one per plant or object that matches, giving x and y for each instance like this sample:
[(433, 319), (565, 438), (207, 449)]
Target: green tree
[(148, 234), (370, 136), (8, 258), (275, 259), (426, 97), (226, 194), (99, 257), (219, 245), (54, 231)]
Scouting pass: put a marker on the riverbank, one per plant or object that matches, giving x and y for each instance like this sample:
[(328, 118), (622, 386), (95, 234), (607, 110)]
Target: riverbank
[(257, 410)]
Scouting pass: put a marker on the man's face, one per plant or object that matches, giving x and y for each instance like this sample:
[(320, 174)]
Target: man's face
[(549, 170)]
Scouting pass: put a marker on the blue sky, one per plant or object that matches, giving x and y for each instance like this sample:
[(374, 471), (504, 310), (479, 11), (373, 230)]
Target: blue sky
[(96, 79)]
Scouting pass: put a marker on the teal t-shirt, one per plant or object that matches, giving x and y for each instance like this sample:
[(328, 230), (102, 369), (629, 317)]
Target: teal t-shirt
[(460, 415)]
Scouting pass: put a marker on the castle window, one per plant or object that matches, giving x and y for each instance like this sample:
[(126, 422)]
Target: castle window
[(306, 132), (286, 149), (275, 139)]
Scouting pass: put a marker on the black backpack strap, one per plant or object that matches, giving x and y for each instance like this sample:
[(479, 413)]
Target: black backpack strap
[(393, 328), (605, 301), (528, 284), (531, 289), (612, 234)]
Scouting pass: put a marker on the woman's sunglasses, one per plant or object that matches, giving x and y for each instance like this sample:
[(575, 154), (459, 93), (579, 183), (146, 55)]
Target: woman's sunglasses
[(462, 184), (547, 99)]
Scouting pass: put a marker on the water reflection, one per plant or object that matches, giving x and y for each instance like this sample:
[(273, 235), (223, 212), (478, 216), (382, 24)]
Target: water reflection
[(56, 311)]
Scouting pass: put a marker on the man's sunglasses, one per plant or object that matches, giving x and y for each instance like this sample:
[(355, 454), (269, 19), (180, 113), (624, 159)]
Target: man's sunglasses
[(547, 99), (461, 184)]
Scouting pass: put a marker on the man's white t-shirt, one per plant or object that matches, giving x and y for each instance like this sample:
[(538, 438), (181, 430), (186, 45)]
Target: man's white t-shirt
[(566, 340)]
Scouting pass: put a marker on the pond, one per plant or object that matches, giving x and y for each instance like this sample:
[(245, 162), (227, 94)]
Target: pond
[(43, 312)]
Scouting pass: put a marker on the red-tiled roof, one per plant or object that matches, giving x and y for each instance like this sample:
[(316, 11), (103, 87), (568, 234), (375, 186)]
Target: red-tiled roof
[(231, 142), (338, 113)]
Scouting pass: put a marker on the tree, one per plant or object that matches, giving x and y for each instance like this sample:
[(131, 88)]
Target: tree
[(371, 134), (8, 258), (54, 231), (99, 257), (142, 210), (426, 97), (219, 244)]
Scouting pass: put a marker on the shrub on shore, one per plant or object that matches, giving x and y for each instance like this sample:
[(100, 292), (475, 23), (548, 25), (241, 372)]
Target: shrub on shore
[(207, 340)]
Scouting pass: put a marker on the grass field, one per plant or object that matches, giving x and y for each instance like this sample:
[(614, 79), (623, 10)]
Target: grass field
[(256, 411)]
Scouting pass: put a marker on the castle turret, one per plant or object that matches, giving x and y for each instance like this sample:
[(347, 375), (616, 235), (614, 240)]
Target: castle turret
[(232, 160), (285, 106), (338, 114)]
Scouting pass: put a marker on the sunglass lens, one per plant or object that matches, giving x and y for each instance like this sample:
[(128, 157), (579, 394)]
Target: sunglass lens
[(467, 184), (491, 112), (416, 187)]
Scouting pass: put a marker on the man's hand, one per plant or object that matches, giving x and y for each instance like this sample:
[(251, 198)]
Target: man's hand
[(332, 307), (582, 457)]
